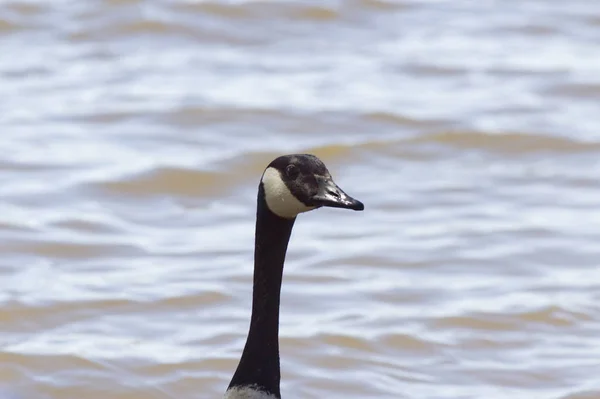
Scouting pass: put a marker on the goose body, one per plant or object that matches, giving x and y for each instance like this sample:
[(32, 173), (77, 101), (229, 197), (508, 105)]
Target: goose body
[(290, 185), (248, 392)]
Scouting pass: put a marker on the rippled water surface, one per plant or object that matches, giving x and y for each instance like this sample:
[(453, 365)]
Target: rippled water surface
[(133, 136)]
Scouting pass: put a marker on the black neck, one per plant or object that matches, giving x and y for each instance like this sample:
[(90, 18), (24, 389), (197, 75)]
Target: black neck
[(259, 365)]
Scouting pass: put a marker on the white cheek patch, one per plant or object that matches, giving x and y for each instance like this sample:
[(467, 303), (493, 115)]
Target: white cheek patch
[(279, 198)]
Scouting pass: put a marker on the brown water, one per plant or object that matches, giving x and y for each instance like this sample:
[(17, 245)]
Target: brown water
[(133, 135)]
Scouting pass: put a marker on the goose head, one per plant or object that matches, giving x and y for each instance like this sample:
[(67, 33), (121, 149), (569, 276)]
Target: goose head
[(297, 183)]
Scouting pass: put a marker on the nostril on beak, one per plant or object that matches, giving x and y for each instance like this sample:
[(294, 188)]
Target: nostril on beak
[(333, 193)]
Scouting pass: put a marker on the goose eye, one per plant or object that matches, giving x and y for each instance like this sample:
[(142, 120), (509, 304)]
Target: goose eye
[(291, 171)]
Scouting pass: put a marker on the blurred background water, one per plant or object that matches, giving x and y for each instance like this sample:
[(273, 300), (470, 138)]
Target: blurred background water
[(132, 138)]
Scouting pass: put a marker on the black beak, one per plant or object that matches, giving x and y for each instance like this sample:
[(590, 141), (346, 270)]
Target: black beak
[(331, 195)]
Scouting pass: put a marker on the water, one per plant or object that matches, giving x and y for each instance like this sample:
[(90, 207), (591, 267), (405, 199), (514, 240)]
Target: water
[(133, 137)]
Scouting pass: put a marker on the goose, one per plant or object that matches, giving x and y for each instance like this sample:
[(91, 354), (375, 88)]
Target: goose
[(290, 185)]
